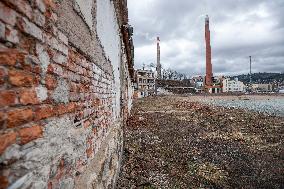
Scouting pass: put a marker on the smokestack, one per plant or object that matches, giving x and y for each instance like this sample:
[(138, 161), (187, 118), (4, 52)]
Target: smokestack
[(209, 73), (159, 67)]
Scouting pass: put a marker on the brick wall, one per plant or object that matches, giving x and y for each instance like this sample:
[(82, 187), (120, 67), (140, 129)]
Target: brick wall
[(65, 92)]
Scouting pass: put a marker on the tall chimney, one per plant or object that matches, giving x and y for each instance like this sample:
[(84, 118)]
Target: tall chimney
[(209, 73), (159, 67)]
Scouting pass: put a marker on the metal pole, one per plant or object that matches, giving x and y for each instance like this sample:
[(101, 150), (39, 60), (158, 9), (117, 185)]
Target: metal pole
[(250, 77)]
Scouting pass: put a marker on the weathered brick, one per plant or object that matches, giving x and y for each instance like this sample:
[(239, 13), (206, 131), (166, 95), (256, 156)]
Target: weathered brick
[(31, 64), (18, 117), (21, 78), (4, 182), (61, 109), (59, 58), (62, 38), (50, 82), (87, 124), (11, 35), (31, 29), (2, 30), (51, 16), (55, 44), (6, 140), (22, 6), (2, 76), (65, 108), (50, 3), (7, 15), (2, 120), (43, 112), (11, 57), (30, 134), (43, 56), (39, 18), (28, 96), (56, 69), (90, 148), (42, 93), (71, 107), (7, 98), (40, 4)]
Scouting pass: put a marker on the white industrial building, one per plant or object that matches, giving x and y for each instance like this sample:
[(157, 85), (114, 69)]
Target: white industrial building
[(233, 85)]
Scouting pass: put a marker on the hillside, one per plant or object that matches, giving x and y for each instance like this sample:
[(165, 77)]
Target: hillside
[(261, 77)]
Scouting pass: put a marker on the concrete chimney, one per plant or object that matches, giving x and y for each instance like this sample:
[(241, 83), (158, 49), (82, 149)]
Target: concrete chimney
[(159, 67)]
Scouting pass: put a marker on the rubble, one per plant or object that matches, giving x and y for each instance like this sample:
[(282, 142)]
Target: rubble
[(178, 142)]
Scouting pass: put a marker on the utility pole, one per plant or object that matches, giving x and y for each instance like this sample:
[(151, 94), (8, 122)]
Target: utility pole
[(159, 67), (250, 76), (158, 59)]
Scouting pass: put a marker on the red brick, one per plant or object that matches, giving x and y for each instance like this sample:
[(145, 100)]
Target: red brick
[(12, 35), (55, 69), (7, 15), (44, 112), (30, 28), (3, 182), (90, 148), (50, 3), (19, 116), (96, 102), (30, 134), (90, 152), (61, 109), (7, 98), (65, 108), (6, 140), (2, 76), (87, 124), (50, 82), (28, 96), (2, 120), (71, 107), (21, 78), (11, 57)]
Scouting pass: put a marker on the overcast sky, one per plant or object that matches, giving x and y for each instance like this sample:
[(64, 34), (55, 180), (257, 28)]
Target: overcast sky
[(239, 28)]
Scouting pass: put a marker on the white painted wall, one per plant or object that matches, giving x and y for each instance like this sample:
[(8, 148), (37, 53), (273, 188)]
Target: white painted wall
[(86, 10), (108, 33)]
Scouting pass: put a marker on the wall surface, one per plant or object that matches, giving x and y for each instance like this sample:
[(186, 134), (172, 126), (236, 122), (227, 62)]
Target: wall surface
[(65, 92)]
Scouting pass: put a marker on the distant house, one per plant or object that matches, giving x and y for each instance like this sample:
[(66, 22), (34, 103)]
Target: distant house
[(145, 83), (262, 87)]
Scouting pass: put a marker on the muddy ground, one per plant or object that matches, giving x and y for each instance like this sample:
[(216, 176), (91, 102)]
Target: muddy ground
[(174, 142)]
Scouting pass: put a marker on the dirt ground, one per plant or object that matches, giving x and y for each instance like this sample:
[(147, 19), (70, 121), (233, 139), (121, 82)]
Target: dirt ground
[(174, 142)]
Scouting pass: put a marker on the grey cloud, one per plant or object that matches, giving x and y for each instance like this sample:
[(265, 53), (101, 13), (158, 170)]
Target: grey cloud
[(182, 21)]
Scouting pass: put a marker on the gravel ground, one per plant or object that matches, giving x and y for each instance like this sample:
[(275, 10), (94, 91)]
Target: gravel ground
[(178, 142), (271, 105)]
